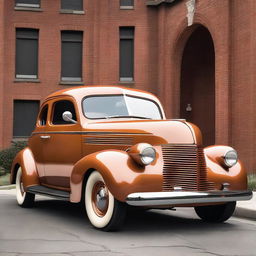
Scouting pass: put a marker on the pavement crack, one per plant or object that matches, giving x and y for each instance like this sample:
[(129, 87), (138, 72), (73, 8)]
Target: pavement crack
[(84, 241)]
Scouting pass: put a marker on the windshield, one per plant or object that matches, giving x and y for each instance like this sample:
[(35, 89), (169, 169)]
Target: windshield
[(118, 106)]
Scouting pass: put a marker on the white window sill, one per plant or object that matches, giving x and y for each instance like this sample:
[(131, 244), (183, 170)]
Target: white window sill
[(126, 79), (127, 7), (127, 82), (27, 80), (27, 8), (71, 83), (66, 11)]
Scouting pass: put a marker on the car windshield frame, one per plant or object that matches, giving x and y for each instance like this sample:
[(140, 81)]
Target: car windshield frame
[(124, 95)]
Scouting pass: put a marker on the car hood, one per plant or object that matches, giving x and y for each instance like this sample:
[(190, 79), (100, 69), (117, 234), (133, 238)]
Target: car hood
[(151, 131)]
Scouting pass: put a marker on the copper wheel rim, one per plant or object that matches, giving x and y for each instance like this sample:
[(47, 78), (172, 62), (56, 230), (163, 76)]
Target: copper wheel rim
[(100, 198)]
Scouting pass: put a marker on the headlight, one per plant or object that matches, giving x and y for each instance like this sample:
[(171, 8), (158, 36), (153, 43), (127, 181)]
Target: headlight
[(230, 158), (148, 154), (143, 153)]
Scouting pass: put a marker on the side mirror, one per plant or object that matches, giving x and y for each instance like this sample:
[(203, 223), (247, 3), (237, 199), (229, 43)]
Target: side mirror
[(67, 117)]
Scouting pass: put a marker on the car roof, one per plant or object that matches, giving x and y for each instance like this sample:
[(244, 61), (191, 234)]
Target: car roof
[(83, 91)]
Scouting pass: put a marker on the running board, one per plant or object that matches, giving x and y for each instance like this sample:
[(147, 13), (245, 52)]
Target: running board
[(42, 190)]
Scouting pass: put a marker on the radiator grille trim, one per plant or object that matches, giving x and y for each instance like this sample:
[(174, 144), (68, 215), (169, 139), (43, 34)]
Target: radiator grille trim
[(185, 167), (117, 140)]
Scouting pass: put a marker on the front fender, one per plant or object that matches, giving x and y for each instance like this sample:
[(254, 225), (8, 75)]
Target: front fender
[(25, 160), (121, 174), (236, 176)]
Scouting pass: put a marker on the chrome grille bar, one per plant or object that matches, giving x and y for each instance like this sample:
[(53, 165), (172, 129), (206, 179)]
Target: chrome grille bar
[(185, 167)]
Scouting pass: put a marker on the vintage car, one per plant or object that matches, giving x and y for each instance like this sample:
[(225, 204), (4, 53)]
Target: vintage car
[(108, 147)]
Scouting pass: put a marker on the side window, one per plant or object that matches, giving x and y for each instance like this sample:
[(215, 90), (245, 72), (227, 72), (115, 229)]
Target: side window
[(59, 108), (43, 116)]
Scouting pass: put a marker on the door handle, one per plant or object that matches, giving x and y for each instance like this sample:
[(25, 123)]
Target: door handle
[(45, 137)]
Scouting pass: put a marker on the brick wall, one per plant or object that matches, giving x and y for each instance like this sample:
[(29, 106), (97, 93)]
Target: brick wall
[(161, 33)]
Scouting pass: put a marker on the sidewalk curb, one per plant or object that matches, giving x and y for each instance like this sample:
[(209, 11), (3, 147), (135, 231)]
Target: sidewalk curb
[(245, 213), (7, 187)]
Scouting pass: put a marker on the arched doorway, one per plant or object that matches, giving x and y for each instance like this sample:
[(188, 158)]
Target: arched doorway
[(197, 91)]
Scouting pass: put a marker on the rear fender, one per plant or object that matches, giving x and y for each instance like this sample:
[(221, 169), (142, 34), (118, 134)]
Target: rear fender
[(25, 160), (121, 174)]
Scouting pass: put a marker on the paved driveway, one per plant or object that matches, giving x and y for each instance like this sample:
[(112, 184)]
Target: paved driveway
[(59, 228)]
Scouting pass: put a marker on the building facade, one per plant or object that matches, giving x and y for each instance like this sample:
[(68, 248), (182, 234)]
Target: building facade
[(197, 56)]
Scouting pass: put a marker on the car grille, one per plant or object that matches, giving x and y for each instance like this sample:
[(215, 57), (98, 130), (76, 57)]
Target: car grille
[(185, 167)]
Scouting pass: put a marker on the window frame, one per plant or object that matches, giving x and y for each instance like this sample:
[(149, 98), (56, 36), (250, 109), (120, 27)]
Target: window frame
[(126, 7), (34, 38), (40, 115), (53, 109), (36, 117), (71, 10), (26, 5), (124, 79), (67, 79), (111, 95)]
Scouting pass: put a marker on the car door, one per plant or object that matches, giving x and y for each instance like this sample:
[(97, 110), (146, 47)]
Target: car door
[(62, 145), (36, 140)]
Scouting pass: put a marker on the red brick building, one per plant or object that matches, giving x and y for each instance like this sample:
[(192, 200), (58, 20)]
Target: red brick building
[(198, 56)]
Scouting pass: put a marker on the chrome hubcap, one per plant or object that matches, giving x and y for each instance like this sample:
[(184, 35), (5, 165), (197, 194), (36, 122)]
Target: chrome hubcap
[(100, 198)]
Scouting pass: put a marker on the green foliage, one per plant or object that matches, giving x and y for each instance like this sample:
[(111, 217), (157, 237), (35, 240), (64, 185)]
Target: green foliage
[(252, 181), (5, 180), (7, 155)]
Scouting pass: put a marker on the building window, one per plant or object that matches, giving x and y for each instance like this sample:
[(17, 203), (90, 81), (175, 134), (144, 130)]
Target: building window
[(71, 55), (28, 3), (76, 5), (126, 4), (26, 53), (24, 117), (126, 54)]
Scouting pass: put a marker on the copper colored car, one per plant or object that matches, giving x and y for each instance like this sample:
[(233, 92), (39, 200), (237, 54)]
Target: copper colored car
[(109, 147)]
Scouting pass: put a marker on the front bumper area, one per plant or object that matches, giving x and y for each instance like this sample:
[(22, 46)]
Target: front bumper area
[(186, 197)]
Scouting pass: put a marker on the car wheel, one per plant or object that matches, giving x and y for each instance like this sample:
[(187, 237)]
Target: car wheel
[(103, 210), (216, 213), (24, 199)]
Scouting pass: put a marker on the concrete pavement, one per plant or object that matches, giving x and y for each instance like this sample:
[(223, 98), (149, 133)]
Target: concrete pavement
[(59, 228)]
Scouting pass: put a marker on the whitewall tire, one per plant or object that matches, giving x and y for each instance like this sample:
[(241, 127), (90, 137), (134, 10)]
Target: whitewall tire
[(103, 210), (24, 199)]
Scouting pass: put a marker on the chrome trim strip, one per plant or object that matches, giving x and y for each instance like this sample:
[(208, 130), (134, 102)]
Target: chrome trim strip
[(91, 133), (104, 140), (186, 197)]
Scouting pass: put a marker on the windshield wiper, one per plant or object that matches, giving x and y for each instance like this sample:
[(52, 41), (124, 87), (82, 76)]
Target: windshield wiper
[(117, 116)]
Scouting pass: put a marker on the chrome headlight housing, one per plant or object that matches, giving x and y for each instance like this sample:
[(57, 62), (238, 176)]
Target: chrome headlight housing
[(147, 154), (143, 153), (230, 158)]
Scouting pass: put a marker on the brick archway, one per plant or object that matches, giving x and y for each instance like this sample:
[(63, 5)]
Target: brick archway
[(197, 83), (222, 75)]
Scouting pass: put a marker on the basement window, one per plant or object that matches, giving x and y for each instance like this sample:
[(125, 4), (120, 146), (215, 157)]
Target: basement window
[(24, 117)]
